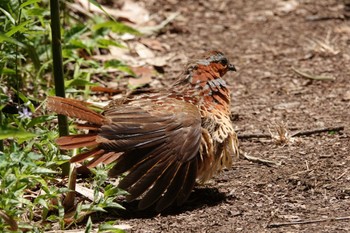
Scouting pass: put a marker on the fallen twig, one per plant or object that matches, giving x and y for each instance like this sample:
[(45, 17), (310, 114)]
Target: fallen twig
[(155, 29), (281, 224), (314, 131), (312, 76), (296, 134), (260, 160), (343, 174), (254, 135), (324, 18)]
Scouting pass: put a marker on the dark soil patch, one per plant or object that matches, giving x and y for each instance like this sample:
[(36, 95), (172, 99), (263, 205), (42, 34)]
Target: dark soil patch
[(265, 39)]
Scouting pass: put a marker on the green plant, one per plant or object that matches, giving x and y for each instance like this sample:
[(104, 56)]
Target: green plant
[(31, 190), (27, 169)]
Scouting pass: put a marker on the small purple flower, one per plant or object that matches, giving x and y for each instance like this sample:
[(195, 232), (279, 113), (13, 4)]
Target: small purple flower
[(25, 113)]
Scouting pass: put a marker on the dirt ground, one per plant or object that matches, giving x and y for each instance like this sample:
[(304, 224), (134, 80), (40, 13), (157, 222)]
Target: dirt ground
[(265, 39)]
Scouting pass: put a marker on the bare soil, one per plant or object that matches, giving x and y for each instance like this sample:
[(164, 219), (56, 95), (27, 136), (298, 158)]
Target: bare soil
[(265, 39)]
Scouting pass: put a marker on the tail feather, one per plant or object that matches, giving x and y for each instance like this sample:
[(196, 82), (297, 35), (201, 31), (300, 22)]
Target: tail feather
[(88, 126), (112, 158), (98, 156), (74, 108), (106, 158), (91, 153), (77, 141), (94, 121)]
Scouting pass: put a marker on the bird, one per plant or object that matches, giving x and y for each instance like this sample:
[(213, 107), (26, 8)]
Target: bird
[(164, 141)]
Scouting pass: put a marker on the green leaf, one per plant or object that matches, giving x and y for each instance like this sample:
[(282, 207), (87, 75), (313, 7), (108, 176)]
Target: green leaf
[(34, 156), (5, 38), (119, 65), (26, 101), (25, 227), (116, 27), (39, 120), (43, 203), (94, 2), (88, 227), (105, 43), (75, 32), (43, 170), (18, 28), (36, 11), (114, 205), (78, 82), (95, 209), (7, 132), (8, 71), (8, 15), (111, 190), (26, 3), (110, 227), (76, 43)]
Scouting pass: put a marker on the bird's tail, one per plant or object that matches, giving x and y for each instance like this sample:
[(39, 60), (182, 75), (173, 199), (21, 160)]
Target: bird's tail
[(79, 109), (75, 109)]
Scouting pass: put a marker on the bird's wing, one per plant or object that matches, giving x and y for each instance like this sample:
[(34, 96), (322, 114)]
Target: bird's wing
[(160, 140)]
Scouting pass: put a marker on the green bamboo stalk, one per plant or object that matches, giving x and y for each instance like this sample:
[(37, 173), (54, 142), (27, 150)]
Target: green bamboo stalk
[(58, 69), (1, 141)]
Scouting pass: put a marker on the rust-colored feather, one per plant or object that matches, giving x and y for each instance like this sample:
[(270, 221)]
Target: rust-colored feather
[(73, 108), (77, 141), (105, 158), (88, 126), (91, 153)]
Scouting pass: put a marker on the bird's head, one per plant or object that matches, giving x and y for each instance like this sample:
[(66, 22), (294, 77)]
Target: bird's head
[(205, 73), (215, 61), (211, 65), (202, 81)]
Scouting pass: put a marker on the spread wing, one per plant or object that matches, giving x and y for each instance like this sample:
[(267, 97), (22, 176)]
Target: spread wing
[(160, 140)]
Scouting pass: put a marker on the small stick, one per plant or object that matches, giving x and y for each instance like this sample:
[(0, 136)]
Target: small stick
[(315, 131), (343, 174), (257, 135), (260, 160), (281, 224), (311, 76), (296, 134), (324, 18)]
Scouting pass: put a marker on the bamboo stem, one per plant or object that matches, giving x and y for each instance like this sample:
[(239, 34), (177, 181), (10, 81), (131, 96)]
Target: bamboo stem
[(58, 69)]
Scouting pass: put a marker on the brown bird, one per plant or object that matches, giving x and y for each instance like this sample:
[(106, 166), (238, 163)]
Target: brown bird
[(164, 141)]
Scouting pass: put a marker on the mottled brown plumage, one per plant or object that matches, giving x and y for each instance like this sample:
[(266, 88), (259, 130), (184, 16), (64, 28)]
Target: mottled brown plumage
[(163, 141)]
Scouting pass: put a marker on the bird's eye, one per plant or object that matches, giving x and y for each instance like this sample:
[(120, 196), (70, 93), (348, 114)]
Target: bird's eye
[(224, 62)]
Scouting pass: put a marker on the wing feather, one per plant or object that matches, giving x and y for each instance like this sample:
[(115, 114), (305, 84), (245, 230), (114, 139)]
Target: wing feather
[(189, 182), (173, 189), (161, 144)]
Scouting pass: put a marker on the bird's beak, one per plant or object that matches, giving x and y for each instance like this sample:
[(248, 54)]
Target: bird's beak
[(231, 67)]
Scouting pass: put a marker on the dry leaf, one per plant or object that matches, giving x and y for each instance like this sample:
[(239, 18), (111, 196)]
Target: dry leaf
[(153, 44), (135, 12), (157, 61), (143, 51), (86, 192), (130, 12), (144, 74)]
